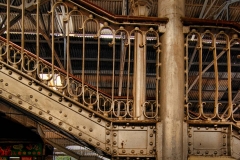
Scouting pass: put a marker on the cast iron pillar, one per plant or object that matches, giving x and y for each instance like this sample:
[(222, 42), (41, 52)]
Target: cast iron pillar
[(172, 80)]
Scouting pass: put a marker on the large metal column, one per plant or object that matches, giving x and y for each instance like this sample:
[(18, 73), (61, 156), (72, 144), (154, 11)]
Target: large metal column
[(172, 80)]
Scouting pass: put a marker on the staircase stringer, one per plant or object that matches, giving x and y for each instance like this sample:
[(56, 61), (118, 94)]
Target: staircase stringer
[(53, 107)]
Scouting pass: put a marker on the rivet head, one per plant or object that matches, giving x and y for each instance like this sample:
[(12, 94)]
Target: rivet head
[(70, 105), (50, 118), (19, 78), (123, 151), (36, 100), (10, 96), (70, 128), (198, 152), (48, 111), (207, 128), (114, 134), (189, 151), (151, 127), (84, 127), (224, 144), (90, 129), (50, 94), (150, 151), (40, 112), (206, 152), (60, 123), (114, 151), (108, 132), (6, 84), (40, 88), (90, 115), (80, 110), (60, 99), (189, 143), (132, 151), (151, 143), (1, 80), (224, 136), (198, 128), (107, 148), (215, 152), (60, 111), (108, 124), (0, 91), (30, 83), (19, 102), (141, 151), (115, 126), (108, 140), (90, 139), (225, 152), (151, 135), (133, 127), (189, 135), (30, 107), (65, 115), (80, 134), (142, 127), (9, 72), (31, 96), (99, 120), (98, 144), (114, 143)]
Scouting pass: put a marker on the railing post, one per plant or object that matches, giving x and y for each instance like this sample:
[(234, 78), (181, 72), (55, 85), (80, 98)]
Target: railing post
[(172, 80), (139, 8)]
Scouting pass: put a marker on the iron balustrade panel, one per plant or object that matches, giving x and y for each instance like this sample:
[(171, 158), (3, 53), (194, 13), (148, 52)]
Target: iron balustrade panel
[(212, 75), (105, 58)]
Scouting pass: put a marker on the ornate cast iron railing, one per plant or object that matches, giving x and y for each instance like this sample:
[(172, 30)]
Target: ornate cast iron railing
[(94, 28), (209, 94)]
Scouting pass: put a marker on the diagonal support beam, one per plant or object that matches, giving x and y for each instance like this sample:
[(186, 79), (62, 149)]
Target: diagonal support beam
[(47, 39), (13, 21), (225, 7), (210, 65), (63, 149), (203, 9), (209, 8)]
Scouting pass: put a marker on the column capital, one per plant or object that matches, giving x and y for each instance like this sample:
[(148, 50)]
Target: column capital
[(141, 7)]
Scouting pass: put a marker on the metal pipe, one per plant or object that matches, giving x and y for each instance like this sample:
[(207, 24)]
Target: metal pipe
[(205, 22), (172, 80)]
